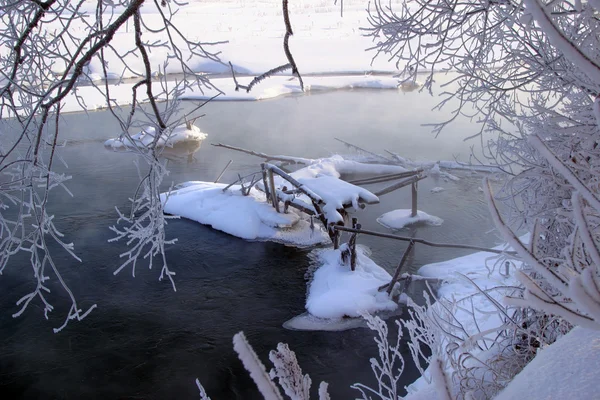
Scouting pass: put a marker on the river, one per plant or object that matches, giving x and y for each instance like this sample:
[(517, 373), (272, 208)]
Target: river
[(146, 341)]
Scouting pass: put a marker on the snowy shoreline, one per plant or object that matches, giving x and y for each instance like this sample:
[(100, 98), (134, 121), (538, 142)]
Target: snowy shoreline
[(276, 86)]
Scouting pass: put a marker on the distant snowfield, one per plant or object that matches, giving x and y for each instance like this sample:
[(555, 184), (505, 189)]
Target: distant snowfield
[(330, 51), (323, 41)]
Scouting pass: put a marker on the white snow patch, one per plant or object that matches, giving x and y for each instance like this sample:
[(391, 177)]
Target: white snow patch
[(285, 85), (437, 189), (336, 193), (567, 369), (481, 268), (336, 292), (247, 217), (398, 219), (146, 137)]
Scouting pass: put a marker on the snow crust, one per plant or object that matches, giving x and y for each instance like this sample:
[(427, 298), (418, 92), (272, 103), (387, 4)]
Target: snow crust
[(247, 217), (398, 219), (147, 136), (336, 292)]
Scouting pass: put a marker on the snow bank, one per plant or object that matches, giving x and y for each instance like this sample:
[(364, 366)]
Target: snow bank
[(247, 217), (398, 219), (567, 369), (146, 137), (336, 292), (482, 269), (285, 85)]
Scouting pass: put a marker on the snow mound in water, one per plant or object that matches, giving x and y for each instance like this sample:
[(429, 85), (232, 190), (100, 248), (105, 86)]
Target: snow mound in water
[(247, 217), (146, 137), (398, 219), (336, 292)]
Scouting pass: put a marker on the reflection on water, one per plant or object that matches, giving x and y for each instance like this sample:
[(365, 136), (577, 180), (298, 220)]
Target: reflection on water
[(146, 341)]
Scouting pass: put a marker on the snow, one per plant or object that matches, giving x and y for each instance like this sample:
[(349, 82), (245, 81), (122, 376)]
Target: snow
[(284, 85), (336, 193), (567, 369), (336, 292), (337, 166), (274, 87), (247, 217), (251, 217), (437, 189), (323, 41), (400, 218), (146, 137), (482, 269), (329, 51)]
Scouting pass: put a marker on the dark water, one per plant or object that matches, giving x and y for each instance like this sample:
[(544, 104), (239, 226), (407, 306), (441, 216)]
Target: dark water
[(146, 341)]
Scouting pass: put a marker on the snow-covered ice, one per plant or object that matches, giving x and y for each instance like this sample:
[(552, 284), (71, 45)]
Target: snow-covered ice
[(398, 219), (285, 85), (247, 217), (336, 291)]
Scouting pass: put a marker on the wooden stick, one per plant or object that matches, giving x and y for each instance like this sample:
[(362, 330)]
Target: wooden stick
[(398, 185), (267, 157), (413, 211), (364, 151), (423, 241), (385, 178), (222, 172), (307, 191), (273, 190), (402, 261), (352, 244), (264, 178)]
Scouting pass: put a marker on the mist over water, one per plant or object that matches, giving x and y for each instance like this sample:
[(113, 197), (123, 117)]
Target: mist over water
[(146, 341)]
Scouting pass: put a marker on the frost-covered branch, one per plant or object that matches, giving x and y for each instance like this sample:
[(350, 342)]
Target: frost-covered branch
[(291, 64), (50, 53)]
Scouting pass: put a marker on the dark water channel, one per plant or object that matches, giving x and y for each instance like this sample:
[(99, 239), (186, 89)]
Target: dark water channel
[(147, 342)]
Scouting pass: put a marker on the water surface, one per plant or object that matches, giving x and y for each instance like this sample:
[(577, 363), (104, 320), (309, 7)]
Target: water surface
[(146, 341)]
